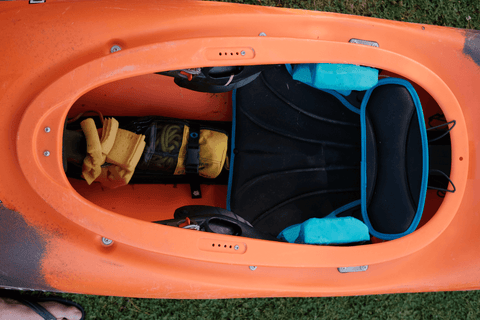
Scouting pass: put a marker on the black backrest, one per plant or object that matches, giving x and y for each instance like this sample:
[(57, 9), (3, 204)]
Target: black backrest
[(396, 164)]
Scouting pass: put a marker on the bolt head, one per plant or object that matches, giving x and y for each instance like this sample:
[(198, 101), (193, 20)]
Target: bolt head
[(262, 34), (47, 129), (236, 247), (253, 268), (243, 53), (46, 153), (115, 48), (106, 241)]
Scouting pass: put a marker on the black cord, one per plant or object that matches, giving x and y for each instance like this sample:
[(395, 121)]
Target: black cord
[(440, 117), (436, 116), (453, 122), (442, 191)]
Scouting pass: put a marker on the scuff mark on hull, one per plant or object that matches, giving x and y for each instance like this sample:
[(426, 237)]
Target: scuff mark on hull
[(21, 251), (472, 45)]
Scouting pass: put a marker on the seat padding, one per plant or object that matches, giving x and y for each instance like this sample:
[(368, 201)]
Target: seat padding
[(396, 159), (297, 153)]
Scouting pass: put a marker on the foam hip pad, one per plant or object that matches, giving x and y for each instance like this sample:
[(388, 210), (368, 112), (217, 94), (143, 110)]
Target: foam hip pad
[(326, 231), (338, 77)]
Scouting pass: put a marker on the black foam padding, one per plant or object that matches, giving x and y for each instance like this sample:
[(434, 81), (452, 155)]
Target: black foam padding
[(394, 179), (297, 153)]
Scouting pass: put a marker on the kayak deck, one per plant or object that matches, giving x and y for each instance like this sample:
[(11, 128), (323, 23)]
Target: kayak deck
[(158, 95)]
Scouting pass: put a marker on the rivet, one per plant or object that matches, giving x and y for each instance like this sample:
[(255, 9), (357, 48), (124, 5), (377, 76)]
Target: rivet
[(46, 153), (262, 34), (236, 247), (47, 129), (242, 53), (115, 48), (106, 241), (253, 268)]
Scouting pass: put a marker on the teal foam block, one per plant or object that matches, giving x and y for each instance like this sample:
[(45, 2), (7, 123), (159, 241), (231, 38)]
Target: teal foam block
[(326, 231), (339, 77)]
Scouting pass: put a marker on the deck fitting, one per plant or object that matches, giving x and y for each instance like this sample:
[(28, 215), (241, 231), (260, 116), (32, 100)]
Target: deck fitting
[(106, 241), (115, 48)]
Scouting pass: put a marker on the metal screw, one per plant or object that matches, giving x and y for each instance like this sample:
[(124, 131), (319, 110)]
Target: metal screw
[(423, 28), (46, 153), (115, 48), (262, 34), (47, 129), (242, 53), (253, 268), (106, 241), (196, 193), (236, 247)]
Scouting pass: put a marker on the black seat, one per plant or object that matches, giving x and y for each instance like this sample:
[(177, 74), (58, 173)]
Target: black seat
[(298, 149), (396, 159), (296, 155)]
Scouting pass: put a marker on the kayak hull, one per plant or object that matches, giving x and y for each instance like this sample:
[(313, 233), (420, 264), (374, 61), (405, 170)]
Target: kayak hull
[(51, 235)]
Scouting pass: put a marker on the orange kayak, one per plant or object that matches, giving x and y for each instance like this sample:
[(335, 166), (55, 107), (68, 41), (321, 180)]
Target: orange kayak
[(58, 233)]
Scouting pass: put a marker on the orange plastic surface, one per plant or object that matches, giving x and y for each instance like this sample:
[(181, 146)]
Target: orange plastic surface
[(153, 94), (55, 52)]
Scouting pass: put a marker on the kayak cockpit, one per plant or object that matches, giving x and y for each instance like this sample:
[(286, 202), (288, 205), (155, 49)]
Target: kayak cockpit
[(294, 152)]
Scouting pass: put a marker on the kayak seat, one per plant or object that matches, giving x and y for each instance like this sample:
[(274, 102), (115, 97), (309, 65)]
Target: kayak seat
[(394, 159), (301, 153), (296, 152)]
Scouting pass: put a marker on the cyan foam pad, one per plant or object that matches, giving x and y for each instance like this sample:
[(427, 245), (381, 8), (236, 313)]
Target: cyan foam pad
[(326, 231), (339, 77)]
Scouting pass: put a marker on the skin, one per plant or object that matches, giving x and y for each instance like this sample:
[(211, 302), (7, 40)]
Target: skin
[(12, 310)]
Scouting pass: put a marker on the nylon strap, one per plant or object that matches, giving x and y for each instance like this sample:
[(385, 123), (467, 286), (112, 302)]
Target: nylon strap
[(193, 161)]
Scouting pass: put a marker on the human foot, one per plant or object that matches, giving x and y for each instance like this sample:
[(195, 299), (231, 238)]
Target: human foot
[(26, 308)]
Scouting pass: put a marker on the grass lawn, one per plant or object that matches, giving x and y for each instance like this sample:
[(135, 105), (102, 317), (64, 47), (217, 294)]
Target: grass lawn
[(452, 13), (441, 305), (438, 305)]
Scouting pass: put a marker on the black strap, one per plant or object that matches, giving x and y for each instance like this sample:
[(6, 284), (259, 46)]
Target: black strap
[(193, 161), (38, 309)]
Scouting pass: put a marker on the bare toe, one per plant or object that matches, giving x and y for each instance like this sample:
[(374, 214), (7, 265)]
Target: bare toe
[(12, 309), (61, 311)]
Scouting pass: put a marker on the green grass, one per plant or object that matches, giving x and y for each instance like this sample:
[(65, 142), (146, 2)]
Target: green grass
[(452, 13), (441, 305)]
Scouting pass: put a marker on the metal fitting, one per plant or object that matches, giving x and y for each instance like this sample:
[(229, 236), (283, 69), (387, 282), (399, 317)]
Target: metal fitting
[(106, 241), (115, 48)]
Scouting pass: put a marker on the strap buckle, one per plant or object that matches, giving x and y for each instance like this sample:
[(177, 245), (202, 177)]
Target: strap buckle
[(192, 162)]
